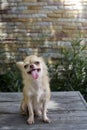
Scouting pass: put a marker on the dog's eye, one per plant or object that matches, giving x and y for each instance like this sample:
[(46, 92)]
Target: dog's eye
[(37, 62), (26, 66)]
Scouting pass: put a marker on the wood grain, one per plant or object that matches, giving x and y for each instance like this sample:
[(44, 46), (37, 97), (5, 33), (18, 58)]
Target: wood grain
[(71, 113)]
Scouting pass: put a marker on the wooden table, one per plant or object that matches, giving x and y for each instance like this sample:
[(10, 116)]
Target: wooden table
[(71, 113)]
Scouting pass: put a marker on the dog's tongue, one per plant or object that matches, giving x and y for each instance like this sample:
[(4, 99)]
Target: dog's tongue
[(34, 74)]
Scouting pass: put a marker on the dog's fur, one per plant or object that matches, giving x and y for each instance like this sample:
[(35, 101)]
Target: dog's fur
[(36, 89)]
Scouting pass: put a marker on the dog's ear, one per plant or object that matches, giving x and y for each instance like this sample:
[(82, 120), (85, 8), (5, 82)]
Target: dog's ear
[(43, 62), (20, 65), (41, 59)]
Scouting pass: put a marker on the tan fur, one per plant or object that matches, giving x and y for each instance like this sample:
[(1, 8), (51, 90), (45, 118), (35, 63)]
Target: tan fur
[(36, 92)]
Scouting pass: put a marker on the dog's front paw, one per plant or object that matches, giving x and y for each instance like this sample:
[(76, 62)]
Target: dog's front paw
[(30, 121), (46, 120)]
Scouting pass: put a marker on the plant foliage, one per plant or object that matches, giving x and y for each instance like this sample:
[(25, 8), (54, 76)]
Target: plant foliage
[(11, 81), (70, 73)]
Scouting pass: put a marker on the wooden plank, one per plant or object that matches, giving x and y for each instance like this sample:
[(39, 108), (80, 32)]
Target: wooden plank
[(71, 113), (61, 97), (85, 103), (9, 107), (16, 121), (12, 104), (66, 93), (67, 116), (14, 107), (18, 96), (8, 97)]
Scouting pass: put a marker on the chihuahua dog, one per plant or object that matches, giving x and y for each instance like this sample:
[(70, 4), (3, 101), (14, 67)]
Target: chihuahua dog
[(36, 91)]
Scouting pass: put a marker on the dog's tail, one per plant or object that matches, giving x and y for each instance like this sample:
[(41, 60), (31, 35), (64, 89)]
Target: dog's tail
[(52, 105)]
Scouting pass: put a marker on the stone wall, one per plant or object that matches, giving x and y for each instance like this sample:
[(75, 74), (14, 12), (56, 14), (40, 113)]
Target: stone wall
[(39, 27)]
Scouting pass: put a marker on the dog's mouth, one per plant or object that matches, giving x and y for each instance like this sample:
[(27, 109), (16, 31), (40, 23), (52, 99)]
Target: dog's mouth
[(34, 73)]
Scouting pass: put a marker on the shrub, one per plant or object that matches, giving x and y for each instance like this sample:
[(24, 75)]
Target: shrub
[(11, 81), (70, 73)]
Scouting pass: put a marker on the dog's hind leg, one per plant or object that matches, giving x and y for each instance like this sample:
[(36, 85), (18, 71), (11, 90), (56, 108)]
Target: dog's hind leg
[(24, 108)]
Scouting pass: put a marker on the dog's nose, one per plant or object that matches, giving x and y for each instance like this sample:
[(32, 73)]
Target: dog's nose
[(31, 66)]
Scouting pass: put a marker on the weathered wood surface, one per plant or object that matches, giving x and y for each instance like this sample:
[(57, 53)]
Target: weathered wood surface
[(71, 113)]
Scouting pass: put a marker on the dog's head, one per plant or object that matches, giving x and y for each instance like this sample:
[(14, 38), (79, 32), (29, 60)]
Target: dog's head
[(33, 66)]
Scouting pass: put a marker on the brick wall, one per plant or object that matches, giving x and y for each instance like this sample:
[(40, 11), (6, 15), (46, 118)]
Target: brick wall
[(39, 27)]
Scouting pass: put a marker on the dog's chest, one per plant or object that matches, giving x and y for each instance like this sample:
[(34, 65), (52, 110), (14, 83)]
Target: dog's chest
[(40, 92), (37, 91), (38, 95)]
